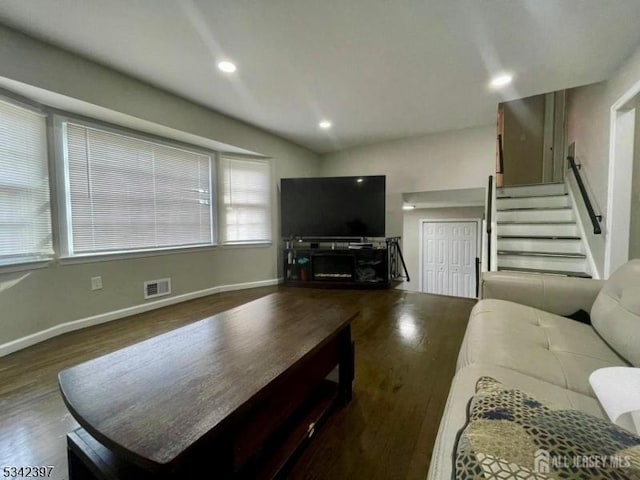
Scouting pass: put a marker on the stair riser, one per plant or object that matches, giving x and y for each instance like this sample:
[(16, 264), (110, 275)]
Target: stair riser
[(536, 216), (558, 201), (562, 264), (539, 230), (531, 190), (552, 246)]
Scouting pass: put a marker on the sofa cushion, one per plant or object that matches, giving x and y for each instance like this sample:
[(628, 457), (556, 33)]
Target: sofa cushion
[(616, 312), (537, 343), (512, 434), (551, 293), (463, 388)]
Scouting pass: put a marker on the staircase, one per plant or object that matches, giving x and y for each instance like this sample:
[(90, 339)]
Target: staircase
[(537, 231)]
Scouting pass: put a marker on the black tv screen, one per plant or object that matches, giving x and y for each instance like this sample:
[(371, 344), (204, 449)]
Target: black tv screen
[(333, 207)]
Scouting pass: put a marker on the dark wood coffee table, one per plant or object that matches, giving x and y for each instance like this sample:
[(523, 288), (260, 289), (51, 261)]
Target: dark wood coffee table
[(237, 394)]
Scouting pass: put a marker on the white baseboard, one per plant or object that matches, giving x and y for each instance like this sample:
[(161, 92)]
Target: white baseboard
[(24, 342)]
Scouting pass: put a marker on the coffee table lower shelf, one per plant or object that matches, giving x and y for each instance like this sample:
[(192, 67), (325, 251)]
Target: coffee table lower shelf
[(90, 460)]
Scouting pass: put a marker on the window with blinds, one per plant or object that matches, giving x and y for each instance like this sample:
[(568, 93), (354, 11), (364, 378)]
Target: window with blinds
[(25, 213), (245, 186), (126, 193)]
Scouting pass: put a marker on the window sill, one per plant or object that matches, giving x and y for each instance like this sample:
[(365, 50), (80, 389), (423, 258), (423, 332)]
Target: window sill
[(127, 255), (108, 257), (24, 266), (264, 244)]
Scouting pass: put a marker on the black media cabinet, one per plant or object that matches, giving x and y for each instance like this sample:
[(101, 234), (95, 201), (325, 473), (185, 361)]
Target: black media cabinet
[(335, 264)]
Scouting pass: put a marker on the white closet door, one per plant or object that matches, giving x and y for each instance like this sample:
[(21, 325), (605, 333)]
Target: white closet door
[(435, 269), (448, 256), (462, 257)]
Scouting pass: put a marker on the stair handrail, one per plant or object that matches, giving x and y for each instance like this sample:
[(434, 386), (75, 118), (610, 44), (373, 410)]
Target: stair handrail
[(500, 154), (595, 219), (489, 220)]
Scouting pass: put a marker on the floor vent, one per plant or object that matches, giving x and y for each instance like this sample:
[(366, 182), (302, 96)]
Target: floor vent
[(157, 288)]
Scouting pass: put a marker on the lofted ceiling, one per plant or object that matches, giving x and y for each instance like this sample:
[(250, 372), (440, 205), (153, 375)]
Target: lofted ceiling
[(377, 69)]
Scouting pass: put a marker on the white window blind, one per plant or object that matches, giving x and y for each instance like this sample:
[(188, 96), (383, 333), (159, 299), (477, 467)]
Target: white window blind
[(246, 200), (126, 193), (25, 213)]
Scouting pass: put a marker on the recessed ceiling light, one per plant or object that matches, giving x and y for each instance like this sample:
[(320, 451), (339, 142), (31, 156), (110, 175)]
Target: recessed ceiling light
[(227, 67), (501, 80), (325, 124), (408, 207)]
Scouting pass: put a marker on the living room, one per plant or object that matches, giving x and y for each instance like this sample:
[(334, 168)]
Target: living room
[(404, 91)]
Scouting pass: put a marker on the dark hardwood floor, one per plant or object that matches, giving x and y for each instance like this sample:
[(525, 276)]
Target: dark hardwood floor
[(406, 349)]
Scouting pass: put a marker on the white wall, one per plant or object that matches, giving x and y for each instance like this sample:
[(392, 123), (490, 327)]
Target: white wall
[(31, 301), (440, 161), (588, 126), (588, 113), (411, 235)]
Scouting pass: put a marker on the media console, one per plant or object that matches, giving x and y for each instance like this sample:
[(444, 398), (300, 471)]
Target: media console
[(342, 264)]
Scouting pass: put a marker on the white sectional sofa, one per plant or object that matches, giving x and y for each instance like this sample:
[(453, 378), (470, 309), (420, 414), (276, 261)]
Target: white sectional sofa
[(518, 335)]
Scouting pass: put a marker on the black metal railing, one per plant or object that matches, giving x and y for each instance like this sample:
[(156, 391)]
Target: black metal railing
[(595, 219), (488, 220), (477, 277), (396, 260)]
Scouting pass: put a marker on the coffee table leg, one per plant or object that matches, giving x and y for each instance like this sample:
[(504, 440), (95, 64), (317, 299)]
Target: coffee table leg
[(77, 469), (346, 356)]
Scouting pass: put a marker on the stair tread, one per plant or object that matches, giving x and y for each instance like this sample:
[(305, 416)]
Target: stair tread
[(513, 197), (500, 197), (537, 222), (547, 272), (528, 185), (535, 196), (518, 209), (526, 253), (541, 237)]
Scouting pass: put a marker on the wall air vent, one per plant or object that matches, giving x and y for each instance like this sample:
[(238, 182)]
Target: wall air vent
[(157, 288)]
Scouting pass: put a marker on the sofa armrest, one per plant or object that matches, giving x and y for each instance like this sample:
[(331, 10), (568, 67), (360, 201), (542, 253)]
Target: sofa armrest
[(551, 293)]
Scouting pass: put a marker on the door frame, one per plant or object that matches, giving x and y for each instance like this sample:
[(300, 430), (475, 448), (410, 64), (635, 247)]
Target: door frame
[(618, 219), (422, 221)]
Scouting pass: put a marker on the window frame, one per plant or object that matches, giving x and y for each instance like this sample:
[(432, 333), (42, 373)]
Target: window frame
[(32, 262), (57, 169), (63, 190), (268, 161)]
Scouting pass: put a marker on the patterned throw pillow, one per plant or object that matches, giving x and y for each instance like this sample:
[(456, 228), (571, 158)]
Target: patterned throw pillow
[(511, 435)]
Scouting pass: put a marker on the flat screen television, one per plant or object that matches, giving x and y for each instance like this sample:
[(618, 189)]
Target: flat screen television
[(336, 207)]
